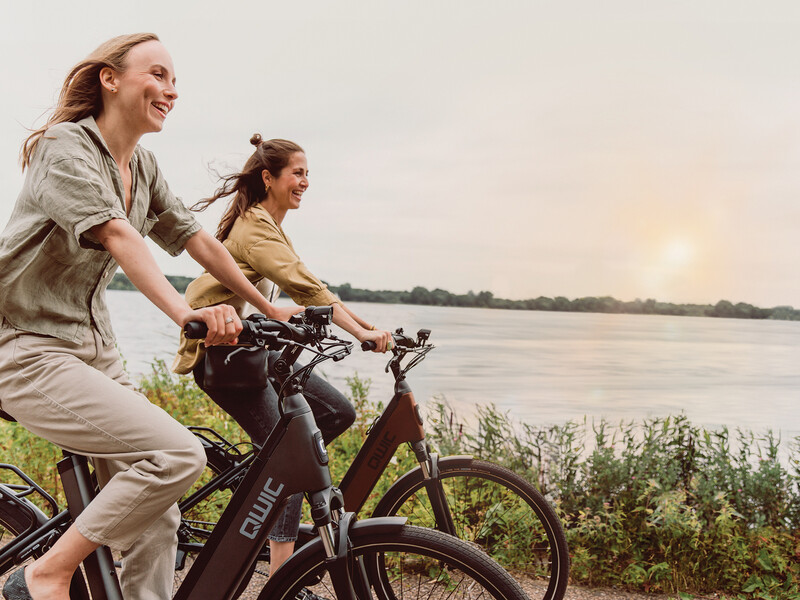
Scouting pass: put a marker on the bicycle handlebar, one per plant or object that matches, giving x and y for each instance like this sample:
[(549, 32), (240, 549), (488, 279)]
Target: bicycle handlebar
[(401, 340), (305, 328)]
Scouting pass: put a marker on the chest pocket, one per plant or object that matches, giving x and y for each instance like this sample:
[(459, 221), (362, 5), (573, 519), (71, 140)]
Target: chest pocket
[(63, 248)]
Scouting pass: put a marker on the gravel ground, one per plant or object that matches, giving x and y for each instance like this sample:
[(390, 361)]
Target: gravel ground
[(533, 588)]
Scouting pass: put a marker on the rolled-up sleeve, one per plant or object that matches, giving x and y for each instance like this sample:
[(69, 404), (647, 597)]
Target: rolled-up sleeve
[(176, 224), (273, 259), (71, 193)]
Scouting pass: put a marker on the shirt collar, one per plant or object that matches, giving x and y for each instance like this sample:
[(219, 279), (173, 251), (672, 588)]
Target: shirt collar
[(90, 125), (265, 213)]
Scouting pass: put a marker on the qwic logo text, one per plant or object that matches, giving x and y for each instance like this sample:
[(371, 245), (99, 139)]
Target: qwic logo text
[(262, 507)]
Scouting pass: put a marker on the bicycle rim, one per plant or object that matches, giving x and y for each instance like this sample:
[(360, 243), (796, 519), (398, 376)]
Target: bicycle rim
[(411, 563), (498, 510)]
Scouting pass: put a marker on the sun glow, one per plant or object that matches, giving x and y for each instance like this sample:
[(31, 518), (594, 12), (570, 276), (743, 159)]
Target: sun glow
[(678, 253)]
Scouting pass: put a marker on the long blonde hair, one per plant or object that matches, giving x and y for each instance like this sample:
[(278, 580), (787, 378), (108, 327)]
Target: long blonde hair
[(80, 95)]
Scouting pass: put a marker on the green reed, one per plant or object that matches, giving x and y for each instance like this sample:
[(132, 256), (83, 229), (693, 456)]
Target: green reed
[(658, 504)]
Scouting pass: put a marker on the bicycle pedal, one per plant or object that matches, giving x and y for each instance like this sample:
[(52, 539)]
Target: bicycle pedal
[(307, 594)]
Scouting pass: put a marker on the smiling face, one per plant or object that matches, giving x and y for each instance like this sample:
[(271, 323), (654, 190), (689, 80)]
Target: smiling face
[(145, 92), (286, 190)]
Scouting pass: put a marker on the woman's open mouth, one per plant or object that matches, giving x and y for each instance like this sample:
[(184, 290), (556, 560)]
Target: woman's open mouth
[(162, 108)]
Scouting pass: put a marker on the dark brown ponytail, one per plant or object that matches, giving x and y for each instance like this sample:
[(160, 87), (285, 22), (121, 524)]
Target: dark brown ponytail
[(247, 186)]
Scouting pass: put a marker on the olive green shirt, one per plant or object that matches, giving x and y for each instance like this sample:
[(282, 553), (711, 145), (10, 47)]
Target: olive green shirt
[(53, 271), (262, 252)]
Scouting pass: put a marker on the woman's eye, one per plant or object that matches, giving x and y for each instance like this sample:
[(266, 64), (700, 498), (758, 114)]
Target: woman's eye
[(159, 75)]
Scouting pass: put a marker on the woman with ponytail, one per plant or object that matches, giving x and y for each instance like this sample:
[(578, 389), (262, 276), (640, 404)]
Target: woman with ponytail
[(90, 195), (271, 184)]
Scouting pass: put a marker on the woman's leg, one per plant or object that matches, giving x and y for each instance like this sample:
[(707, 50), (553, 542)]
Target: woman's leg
[(50, 575), (333, 412), (67, 393)]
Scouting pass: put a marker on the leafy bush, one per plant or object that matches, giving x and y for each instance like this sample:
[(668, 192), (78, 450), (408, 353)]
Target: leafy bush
[(659, 505)]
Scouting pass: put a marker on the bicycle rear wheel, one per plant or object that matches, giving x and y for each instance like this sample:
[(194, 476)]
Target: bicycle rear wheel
[(408, 563), (14, 521), (18, 516), (495, 508)]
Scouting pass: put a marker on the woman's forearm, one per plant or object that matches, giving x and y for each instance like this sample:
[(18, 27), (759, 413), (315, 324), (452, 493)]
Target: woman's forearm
[(361, 322), (216, 259), (344, 319), (130, 251)]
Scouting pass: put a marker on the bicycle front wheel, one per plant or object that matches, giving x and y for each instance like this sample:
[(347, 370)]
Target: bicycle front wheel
[(495, 508), (408, 563)]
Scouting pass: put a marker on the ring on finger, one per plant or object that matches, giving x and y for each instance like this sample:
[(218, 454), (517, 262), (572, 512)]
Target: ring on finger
[(228, 320)]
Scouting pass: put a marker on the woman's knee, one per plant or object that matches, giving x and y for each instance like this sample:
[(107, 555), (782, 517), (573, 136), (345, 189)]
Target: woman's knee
[(338, 421), (348, 415), (186, 461), (197, 459)]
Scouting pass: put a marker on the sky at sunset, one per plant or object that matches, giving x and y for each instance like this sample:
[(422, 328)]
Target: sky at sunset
[(572, 148)]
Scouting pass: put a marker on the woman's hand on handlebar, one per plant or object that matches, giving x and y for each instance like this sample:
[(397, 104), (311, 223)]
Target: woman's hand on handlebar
[(382, 339), (224, 325), (284, 313)]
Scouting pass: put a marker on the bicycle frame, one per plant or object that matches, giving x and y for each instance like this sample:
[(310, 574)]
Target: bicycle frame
[(400, 422), (283, 467), (292, 460)]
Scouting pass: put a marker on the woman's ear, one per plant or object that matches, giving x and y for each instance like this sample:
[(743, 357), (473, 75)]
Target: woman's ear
[(266, 177), (108, 79)]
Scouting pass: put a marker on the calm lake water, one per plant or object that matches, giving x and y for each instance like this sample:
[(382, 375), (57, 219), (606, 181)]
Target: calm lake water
[(552, 367)]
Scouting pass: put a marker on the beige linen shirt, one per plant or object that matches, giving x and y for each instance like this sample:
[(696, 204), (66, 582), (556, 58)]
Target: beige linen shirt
[(263, 252), (53, 271)]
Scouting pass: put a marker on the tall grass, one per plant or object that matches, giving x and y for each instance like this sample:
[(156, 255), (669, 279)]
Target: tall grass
[(657, 505)]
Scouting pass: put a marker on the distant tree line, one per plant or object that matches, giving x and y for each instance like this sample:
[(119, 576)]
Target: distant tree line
[(121, 282), (602, 304)]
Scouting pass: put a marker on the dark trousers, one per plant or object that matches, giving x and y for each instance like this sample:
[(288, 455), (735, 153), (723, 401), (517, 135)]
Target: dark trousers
[(256, 411)]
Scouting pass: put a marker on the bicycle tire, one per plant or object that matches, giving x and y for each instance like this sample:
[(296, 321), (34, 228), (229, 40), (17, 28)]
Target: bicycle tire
[(414, 562), (495, 508)]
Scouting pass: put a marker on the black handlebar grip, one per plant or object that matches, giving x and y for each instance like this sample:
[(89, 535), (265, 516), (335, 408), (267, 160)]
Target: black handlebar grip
[(368, 345), (195, 330)]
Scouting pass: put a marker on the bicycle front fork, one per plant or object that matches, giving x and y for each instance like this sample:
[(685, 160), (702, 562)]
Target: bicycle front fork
[(429, 464), (327, 509)]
